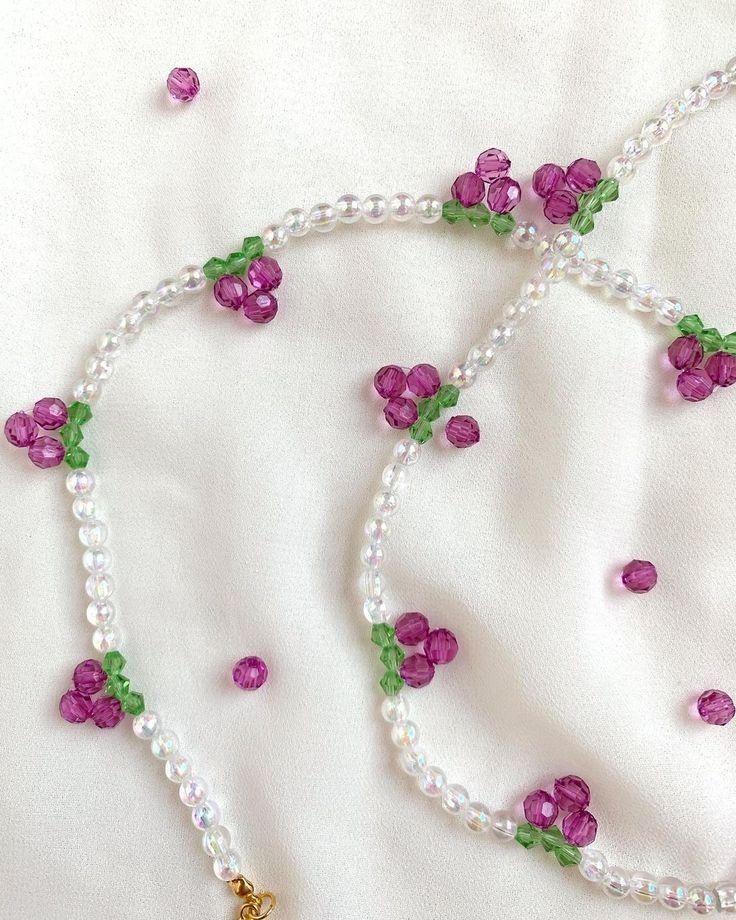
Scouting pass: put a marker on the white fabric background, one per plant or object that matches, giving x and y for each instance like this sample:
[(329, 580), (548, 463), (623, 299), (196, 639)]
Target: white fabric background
[(237, 462)]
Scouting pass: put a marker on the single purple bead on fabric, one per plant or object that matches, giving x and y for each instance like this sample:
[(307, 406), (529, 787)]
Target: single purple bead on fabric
[(582, 175), (89, 678), (107, 712), (715, 707), (571, 793), (401, 412), (503, 195), (579, 828), (462, 431), (492, 164), (417, 670), (260, 307), (468, 189), (75, 706), (560, 206), (20, 429), (250, 673), (440, 646), (390, 381), (230, 291), (46, 452), (411, 628), (540, 809), (265, 274), (50, 413), (547, 179), (423, 380), (721, 368), (639, 576), (694, 384), (685, 352), (182, 84)]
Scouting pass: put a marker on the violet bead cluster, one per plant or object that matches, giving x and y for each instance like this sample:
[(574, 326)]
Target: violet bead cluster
[(22, 429), (439, 646), (705, 359), (560, 189), (252, 293), (570, 794), (91, 678)]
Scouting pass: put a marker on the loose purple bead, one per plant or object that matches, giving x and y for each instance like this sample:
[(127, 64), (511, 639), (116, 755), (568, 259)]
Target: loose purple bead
[(462, 431), (468, 189), (183, 84), (230, 291), (75, 706), (715, 707), (560, 206), (417, 670), (46, 452), (503, 195), (547, 179), (107, 712), (639, 576), (540, 809), (411, 628), (583, 175), (579, 828), (264, 274), (260, 307), (440, 646), (390, 381), (401, 412), (89, 678), (694, 385), (571, 793), (685, 352), (250, 673), (492, 164), (721, 368), (20, 429), (423, 380), (50, 413)]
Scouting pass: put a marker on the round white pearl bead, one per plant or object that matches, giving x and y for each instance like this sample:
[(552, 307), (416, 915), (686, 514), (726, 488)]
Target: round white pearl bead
[(275, 237), (504, 826), (111, 344), (478, 817), (100, 613), (637, 148), (105, 638), (593, 866), (167, 291), (92, 533), (376, 529), (164, 744), (622, 283), (481, 355), (645, 298), (386, 503), (97, 559), (525, 234), (656, 131), (428, 209), (518, 312), (146, 725), (672, 893), (717, 83), (86, 390), (323, 217), (374, 610), (375, 209), (413, 762), (178, 768), (501, 335), (455, 799), (402, 206), (191, 279), (405, 734), (227, 867), (567, 243), (702, 900), (407, 452), (395, 477), (216, 841), (616, 884), (99, 587), (462, 376), (553, 267), (621, 169), (206, 815), (676, 111), (193, 791), (595, 272), (349, 209), (373, 555), (83, 508), (534, 290), (432, 781), (668, 311), (80, 482), (296, 222), (644, 888), (99, 367), (395, 708), (697, 97)]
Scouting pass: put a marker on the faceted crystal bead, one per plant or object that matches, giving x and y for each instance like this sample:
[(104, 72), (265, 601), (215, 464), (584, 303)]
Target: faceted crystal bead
[(691, 324), (389, 381), (382, 635), (77, 458), (593, 866), (639, 576), (423, 380), (702, 900), (193, 791), (440, 646), (230, 291), (694, 385), (455, 799), (250, 673), (622, 283), (113, 663), (421, 431), (432, 781), (582, 222), (616, 884), (462, 431), (547, 179), (721, 368), (265, 274), (391, 683), (260, 307), (50, 413), (134, 704), (448, 395), (107, 712), (501, 224), (711, 339), (492, 164), (164, 744), (253, 247), (236, 263), (504, 826), (568, 855), (411, 628), (89, 677), (417, 670), (183, 84), (571, 793), (503, 195), (20, 429), (429, 409), (79, 413), (726, 891), (672, 893), (395, 708), (644, 888), (685, 352), (478, 215), (583, 175), (714, 707), (401, 412), (580, 828), (75, 706), (540, 809), (407, 452), (46, 452), (528, 836), (551, 838), (478, 817), (216, 841), (560, 206), (590, 202), (391, 657), (468, 189), (145, 725), (117, 686), (453, 211), (214, 268), (729, 343), (71, 435)]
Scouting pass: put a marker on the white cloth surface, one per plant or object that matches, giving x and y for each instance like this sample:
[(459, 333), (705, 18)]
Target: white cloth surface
[(237, 463)]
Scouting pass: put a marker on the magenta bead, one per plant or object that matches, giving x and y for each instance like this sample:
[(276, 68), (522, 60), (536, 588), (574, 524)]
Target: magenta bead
[(440, 646), (50, 413), (423, 380), (571, 793), (411, 628), (462, 431), (540, 809), (579, 828), (468, 189), (503, 195), (583, 175), (721, 368), (250, 673), (639, 576), (560, 206), (230, 291), (401, 412), (694, 385), (107, 712), (547, 179), (492, 164), (264, 274), (417, 670), (183, 84), (20, 429), (715, 707), (685, 352), (260, 307), (89, 678), (75, 706), (390, 381), (46, 452)]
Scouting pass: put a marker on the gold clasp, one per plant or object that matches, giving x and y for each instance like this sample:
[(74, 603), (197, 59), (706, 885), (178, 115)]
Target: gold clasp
[(258, 905)]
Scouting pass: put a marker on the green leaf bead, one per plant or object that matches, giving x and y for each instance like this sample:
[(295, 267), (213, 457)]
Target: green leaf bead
[(421, 431), (528, 836), (551, 838), (478, 215), (729, 343), (568, 855), (607, 190), (382, 635), (448, 395), (113, 663), (392, 657), (117, 686), (691, 324), (77, 458), (134, 704), (79, 413), (501, 224), (453, 211), (236, 263), (70, 434), (429, 409), (711, 339), (214, 268), (591, 202), (582, 221), (253, 247), (391, 683)]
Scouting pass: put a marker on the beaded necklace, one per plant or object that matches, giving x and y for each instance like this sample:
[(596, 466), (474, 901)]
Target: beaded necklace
[(245, 281)]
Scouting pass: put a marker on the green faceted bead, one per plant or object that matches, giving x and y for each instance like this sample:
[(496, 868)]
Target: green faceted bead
[(391, 657), (711, 339), (478, 215), (429, 409), (382, 635), (214, 268), (79, 413), (528, 836), (236, 263), (113, 663), (77, 458), (729, 343), (252, 247), (568, 855), (502, 223), (421, 431), (448, 395), (590, 201), (70, 434), (391, 683), (117, 686), (691, 324), (552, 838), (133, 704), (607, 189), (582, 221), (453, 211)]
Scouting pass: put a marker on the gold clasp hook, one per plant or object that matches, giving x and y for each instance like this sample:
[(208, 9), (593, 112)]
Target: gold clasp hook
[(258, 905)]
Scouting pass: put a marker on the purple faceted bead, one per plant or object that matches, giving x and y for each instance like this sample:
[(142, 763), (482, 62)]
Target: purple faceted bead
[(503, 195), (89, 678), (694, 384), (401, 412), (579, 828), (50, 413), (685, 352), (571, 793), (264, 274), (20, 429), (583, 175), (46, 452), (423, 380), (182, 84), (107, 712), (417, 670), (540, 809), (468, 189), (250, 673), (75, 706), (715, 707), (389, 381), (462, 431), (721, 368), (547, 179), (560, 206), (230, 291), (639, 576), (440, 646), (492, 164), (260, 307), (411, 628)]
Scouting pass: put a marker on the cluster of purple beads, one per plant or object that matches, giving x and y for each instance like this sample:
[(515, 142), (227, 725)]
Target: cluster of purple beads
[(560, 188), (491, 181), (77, 705), (22, 430), (253, 296), (439, 646), (696, 382), (572, 795)]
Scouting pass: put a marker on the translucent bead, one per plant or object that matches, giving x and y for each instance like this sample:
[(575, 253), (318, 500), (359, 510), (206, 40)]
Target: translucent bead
[(206, 815), (402, 206), (395, 477), (191, 279), (525, 234), (386, 503), (98, 559), (373, 585), (374, 610), (395, 708), (645, 298), (167, 291), (462, 376), (697, 98), (99, 587), (621, 169), (130, 323), (376, 529), (110, 344), (164, 744), (145, 725), (702, 900), (193, 791), (481, 355), (567, 243), (92, 532), (323, 217), (432, 781), (637, 147), (717, 83), (405, 734), (413, 762), (105, 638), (553, 267), (428, 209), (455, 799), (178, 768), (227, 867), (668, 311), (83, 508), (726, 891), (542, 246), (86, 390), (622, 283), (731, 71), (80, 482), (593, 866), (656, 131), (644, 888), (575, 264), (501, 335), (595, 272), (349, 209), (100, 613), (504, 825), (534, 290), (616, 883), (478, 817), (676, 111), (99, 367), (296, 222), (373, 555), (375, 209), (275, 237), (407, 452), (518, 311), (216, 841), (672, 893)]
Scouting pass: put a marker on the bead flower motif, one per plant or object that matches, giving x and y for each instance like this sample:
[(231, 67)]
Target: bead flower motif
[(22, 429), (412, 631), (246, 281), (705, 359), (91, 678), (542, 809)]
